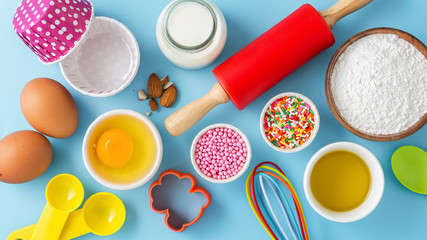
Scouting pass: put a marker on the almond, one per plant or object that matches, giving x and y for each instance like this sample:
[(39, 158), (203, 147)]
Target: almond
[(169, 96), (142, 95), (153, 104), (164, 80), (154, 87), (167, 85)]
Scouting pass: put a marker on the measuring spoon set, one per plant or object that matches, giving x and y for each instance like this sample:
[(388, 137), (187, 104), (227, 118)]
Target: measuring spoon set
[(102, 214)]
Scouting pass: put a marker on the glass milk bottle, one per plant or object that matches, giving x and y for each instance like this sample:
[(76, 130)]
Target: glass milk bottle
[(191, 33)]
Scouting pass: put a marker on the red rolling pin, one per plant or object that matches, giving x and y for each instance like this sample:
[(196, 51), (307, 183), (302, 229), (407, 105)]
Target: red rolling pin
[(266, 61)]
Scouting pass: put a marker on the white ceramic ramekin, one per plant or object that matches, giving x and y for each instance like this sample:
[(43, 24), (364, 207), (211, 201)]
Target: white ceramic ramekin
[(372, 199), (248, 156), (316, 122), (144, 178)]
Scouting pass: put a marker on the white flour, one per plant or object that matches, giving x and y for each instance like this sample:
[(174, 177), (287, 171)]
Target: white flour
[(379, 84)]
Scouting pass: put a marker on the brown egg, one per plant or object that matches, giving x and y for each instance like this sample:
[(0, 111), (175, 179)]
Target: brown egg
[(49, 108), (24, 156)]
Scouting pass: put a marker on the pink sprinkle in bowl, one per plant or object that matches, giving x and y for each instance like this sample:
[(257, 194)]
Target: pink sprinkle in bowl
[(313, 133), (52, 28), (200, 135)]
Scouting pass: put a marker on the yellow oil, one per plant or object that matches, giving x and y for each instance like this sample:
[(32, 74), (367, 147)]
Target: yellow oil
[(143, 154), (340, 181)]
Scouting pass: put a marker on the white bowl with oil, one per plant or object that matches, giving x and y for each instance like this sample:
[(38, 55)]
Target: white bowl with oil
[(146, 154), (374, 195)]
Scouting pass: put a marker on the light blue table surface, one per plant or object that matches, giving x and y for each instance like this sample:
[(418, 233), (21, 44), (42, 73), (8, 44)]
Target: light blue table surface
[(401, 213)]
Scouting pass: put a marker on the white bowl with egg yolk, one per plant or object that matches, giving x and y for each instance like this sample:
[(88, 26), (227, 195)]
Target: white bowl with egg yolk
[(146, 150)]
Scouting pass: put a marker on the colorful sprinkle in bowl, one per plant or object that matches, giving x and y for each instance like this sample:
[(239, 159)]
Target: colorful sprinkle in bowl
[(146, 155), (234, 134), (289, 122)]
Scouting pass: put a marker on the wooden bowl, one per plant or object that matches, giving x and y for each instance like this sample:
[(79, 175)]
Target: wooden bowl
[(374, 137)]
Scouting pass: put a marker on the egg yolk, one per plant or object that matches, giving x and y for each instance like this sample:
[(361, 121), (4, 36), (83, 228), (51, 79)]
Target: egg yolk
[(114, 147)]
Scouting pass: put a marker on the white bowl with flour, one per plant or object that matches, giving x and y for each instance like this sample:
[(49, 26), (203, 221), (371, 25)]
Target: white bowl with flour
[(376, 84)]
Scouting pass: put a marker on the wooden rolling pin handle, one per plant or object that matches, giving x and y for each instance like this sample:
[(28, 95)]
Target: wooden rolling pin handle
[(186, 117), (341, 9)]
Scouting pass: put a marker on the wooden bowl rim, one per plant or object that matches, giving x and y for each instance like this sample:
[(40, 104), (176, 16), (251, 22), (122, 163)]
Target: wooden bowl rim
[(331, 102)]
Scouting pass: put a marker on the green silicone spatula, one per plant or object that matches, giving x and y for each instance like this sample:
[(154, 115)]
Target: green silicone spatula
[(409, 165)]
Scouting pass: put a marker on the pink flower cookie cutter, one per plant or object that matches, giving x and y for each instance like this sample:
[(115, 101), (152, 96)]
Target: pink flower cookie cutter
[(194, 189), (52, 28)]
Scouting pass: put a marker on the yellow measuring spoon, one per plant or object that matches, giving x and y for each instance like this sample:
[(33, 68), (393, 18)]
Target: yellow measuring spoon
[(102, 214), (64, 194)]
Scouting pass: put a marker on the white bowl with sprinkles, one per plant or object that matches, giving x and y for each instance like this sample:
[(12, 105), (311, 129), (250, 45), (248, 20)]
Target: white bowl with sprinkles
[(220, 153), (289, 122)]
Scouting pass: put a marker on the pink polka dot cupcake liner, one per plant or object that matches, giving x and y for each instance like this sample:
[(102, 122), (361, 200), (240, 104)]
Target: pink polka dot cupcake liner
[(52, 28), (98, 56), (220, 153), (105, 62)]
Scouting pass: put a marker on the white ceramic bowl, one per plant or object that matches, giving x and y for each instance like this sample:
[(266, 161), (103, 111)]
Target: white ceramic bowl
[(372, 199), (248, 156), (92, 164), (316, 122), (105, 62)]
